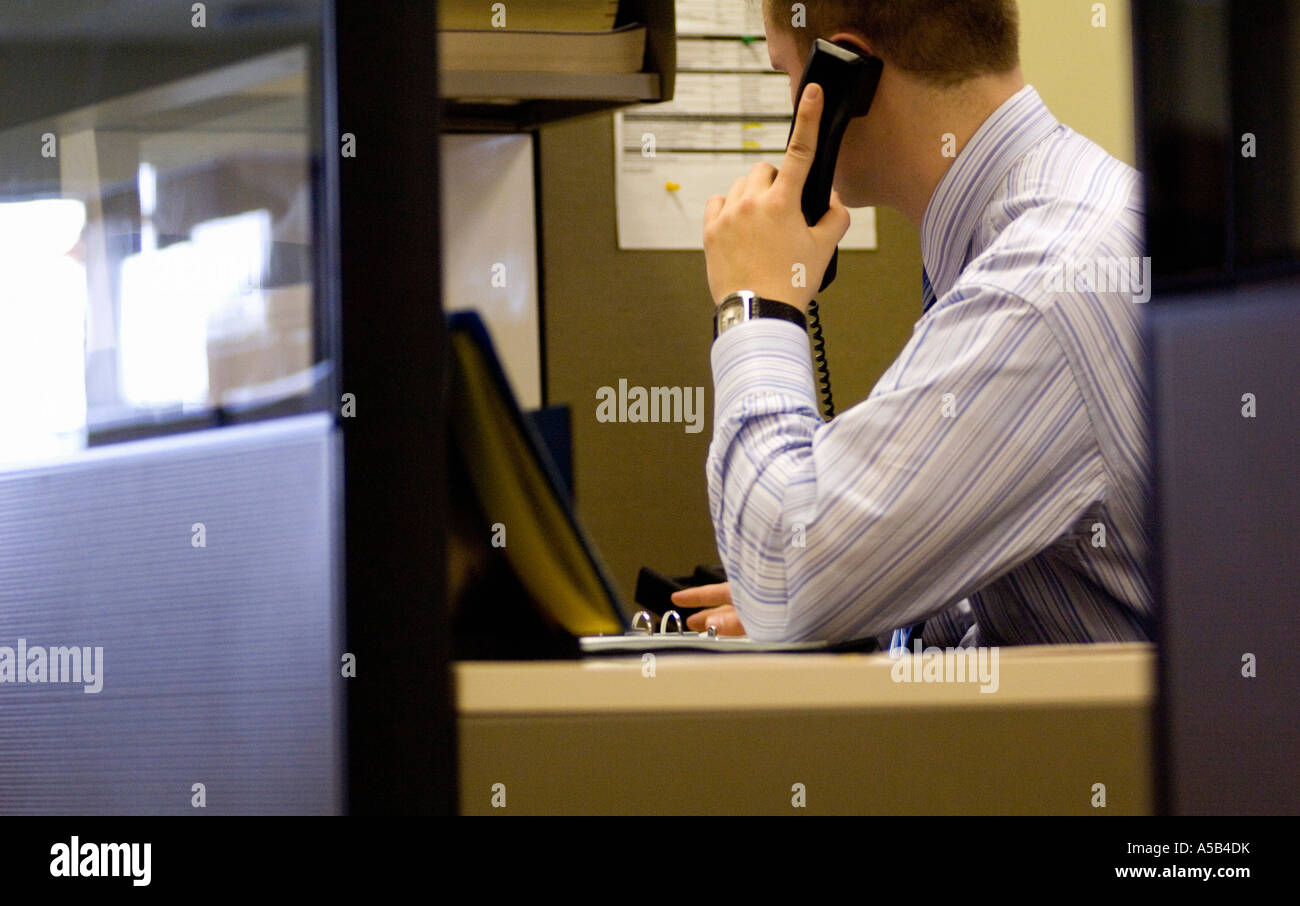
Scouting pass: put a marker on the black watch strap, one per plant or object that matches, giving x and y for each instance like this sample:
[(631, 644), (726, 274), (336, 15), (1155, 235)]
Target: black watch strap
[(746, 306)]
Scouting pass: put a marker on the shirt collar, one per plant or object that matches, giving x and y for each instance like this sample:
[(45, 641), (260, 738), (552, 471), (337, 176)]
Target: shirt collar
[(963, 193)]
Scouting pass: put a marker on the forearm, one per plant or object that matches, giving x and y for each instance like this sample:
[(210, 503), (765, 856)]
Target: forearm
[(765, 420), (974, 457)]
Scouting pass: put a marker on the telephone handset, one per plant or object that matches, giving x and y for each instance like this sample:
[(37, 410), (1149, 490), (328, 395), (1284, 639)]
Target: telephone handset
[(848, 79)]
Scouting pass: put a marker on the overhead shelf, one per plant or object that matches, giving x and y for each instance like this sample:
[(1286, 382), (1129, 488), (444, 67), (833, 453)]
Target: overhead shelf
[(475, 100)]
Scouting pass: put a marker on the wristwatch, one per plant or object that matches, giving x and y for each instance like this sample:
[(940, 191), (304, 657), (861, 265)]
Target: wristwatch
[(746, 306)]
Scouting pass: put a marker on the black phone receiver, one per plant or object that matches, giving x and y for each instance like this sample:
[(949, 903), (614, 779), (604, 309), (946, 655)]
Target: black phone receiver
[(849, 80)]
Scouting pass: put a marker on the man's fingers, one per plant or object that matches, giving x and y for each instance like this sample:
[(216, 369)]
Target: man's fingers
[(803, 141), (712, 207), (703, 596), (736, 191), (834, 223), (719, 612), (724, 618), (761, 177)]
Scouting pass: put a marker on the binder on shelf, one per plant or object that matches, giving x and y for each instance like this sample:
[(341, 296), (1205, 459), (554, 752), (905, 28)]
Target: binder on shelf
[(513, 50), (520, 65), (558, 15)]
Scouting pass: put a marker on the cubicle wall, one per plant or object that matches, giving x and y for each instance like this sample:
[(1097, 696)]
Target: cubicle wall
[(180, 597), (221, 459)]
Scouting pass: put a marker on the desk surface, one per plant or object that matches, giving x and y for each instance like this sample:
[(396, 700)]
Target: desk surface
[(1063, 675), (599, 736)]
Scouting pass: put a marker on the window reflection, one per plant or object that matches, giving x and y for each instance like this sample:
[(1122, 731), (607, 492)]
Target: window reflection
[(164, 269), (42, 341)]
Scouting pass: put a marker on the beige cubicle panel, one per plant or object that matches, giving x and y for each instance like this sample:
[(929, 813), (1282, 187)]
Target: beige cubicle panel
[(719, 734)]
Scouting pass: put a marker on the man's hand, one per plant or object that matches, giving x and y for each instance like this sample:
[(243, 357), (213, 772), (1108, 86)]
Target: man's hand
[(720, 613), (756, 237)]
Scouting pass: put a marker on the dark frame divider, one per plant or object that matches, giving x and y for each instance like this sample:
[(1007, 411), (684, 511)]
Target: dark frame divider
[(401, 719)]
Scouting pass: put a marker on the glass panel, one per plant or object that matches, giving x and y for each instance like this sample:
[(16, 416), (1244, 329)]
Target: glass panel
[(156, 257), (1220, 107)]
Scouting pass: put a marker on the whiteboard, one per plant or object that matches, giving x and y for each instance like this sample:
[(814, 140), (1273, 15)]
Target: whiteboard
[(489, 248), (729, 111)]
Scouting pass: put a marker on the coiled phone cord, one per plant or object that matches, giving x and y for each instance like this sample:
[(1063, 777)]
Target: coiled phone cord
[(819, 357)]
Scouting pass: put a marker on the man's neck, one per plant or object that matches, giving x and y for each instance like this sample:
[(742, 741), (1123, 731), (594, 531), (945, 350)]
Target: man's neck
[(935, 141)]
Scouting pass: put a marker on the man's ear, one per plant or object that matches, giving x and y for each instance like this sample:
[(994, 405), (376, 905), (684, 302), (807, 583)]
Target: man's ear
[(853, 42)]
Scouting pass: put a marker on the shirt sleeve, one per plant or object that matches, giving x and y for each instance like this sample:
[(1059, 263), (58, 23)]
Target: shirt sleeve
[(974, 453)]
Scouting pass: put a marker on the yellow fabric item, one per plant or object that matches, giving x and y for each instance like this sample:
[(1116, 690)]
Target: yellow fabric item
[(541, 544)]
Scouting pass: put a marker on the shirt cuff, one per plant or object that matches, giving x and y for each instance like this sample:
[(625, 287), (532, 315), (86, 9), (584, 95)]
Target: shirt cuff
[(764, 355)]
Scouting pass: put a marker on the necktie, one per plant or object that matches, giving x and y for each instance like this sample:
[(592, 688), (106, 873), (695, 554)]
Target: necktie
[(927, 292), (900, 638)]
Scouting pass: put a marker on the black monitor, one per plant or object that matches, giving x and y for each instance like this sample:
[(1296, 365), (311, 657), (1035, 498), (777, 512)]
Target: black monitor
[(1218, 101), (1218, 109)]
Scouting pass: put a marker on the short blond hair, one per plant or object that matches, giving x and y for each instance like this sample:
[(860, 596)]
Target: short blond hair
[(945, 42)]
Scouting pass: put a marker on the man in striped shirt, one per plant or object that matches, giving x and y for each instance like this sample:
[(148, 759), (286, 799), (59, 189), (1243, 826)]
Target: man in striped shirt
[(994, 484)]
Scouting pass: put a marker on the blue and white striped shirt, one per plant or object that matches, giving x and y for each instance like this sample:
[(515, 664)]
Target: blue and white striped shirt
[(1003, 457)]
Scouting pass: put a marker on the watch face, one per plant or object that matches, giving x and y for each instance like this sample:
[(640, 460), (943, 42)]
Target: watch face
[(730, 314)]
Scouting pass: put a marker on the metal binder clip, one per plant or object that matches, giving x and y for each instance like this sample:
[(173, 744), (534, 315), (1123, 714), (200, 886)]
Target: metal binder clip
[(663, 624), (643, 616)]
